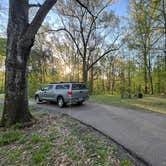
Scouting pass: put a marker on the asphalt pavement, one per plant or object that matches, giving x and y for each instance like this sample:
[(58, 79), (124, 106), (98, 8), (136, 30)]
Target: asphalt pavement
[(142, 132)]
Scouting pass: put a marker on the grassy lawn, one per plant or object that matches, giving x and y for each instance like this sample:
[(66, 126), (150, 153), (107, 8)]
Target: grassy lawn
[(1, 96), (1, 108), (156, 104), (59, 140)]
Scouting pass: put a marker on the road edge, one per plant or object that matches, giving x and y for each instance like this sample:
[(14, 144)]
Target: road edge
[(130, 152)]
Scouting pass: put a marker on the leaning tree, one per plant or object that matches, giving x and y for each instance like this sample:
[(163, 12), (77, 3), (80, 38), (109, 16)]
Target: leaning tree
[(20, 39)]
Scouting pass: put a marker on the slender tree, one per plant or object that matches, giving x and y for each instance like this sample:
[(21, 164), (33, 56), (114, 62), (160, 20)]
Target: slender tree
[(89, 31)]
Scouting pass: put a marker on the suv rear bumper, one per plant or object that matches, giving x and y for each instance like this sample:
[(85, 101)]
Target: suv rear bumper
[(76, 100)]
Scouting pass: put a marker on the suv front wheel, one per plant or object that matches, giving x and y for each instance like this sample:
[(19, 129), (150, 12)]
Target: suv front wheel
[(37, 99), (60, 102)]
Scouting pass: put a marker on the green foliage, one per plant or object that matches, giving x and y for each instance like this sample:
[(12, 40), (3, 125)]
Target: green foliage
[(125, 163), (40, 154), (13, 156), (35, 139), (2, 47), (9, 137), (1, 107), (38, 158)]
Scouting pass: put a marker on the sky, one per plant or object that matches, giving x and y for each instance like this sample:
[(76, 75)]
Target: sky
[(119, 7)]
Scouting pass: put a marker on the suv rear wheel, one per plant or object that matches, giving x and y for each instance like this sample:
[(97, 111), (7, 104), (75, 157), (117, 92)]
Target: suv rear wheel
[(60, 102), (80, 102)]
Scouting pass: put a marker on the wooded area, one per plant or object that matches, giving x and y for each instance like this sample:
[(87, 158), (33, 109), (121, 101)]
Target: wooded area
[(84, 42), (133, 61)]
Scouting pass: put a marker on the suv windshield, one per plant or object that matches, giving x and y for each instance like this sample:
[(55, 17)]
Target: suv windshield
[(79, 87)]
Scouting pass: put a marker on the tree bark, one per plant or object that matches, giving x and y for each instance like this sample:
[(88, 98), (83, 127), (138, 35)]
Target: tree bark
[(145, 74), (21, 37), (84, 71), (16, 100)]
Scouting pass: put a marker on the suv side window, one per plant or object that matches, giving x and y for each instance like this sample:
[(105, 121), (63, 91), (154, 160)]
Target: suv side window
[(66, 86), (79, 87), (50, 87), (59, 87), (62, 87)]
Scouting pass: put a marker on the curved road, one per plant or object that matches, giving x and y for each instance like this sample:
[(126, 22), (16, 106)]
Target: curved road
[(143, 133)]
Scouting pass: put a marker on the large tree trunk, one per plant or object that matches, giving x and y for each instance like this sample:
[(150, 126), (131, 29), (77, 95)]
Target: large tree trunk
[(21, 36), (16, 100), (18, 49)]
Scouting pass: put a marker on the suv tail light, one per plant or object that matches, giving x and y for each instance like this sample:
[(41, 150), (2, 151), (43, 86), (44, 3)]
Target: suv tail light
[(69, 93)]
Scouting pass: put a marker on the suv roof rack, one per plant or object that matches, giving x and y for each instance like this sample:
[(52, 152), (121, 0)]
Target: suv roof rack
[(71, 82), (64, 82)]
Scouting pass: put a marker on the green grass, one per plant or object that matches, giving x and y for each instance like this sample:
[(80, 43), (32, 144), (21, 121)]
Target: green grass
[(35, 138), (1, 96), (151, 103), (9, 137), (58, 140)]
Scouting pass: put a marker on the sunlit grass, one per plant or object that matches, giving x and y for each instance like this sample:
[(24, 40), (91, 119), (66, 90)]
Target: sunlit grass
[(1, 108), (152, 103), (1, 96)]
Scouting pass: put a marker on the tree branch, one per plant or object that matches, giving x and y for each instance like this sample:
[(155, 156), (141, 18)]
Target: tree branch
[(105, 53), (35, 5), (84, 6), (72, 37), (39, 17)]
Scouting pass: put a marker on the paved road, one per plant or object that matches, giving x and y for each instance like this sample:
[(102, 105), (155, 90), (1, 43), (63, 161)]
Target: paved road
[(144, 133)]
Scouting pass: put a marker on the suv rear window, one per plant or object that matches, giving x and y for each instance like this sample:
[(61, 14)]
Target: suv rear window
[(79, 87)]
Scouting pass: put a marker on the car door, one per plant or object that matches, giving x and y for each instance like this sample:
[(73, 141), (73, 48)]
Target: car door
[(43, 92), (48, 92)]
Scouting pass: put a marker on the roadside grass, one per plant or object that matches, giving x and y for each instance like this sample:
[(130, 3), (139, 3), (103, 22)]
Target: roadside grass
[(2, 96), (59, 140), (1, 108), (150, 103)]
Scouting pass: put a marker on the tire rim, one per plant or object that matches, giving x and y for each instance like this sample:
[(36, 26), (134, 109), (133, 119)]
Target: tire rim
[(60, 102)]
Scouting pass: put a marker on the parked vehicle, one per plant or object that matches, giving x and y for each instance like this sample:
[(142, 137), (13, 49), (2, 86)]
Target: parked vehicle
[(63, 93)]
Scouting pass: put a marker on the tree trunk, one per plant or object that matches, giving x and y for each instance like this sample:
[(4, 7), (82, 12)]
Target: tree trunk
[(145, 75), (91, 81), (18, 49), (164, 16), (129, 80), (150, 74), (16, 100), (84, 72), (21, 37)]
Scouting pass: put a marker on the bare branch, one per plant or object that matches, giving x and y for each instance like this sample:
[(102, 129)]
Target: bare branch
[(72, 37), (35, 5), (39, 17), (84, 6), (105, 53)]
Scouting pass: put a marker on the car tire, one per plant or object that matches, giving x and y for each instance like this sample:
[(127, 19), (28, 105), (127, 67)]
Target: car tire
[(80, 102), (37, 99), (60, 102)]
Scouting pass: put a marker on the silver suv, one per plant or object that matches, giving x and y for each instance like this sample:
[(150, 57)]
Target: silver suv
[(63, 93)]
